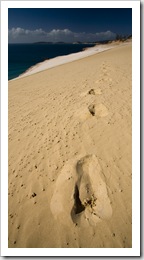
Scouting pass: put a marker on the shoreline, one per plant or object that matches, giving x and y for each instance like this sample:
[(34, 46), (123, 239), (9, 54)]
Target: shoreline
[(60, 60)]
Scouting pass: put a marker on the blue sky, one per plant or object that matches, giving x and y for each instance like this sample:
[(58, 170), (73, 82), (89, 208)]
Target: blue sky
[(68, 24)]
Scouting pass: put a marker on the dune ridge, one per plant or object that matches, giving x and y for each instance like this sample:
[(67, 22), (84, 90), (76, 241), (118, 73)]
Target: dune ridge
[(60, 60)]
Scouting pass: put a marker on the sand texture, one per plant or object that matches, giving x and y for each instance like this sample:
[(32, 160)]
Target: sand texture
[(70, 154)]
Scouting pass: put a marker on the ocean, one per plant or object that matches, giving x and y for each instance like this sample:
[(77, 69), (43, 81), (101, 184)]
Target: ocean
[(23, 56)]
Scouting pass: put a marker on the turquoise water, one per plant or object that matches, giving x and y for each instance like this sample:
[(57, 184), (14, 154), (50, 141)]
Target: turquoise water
[(23, 56)]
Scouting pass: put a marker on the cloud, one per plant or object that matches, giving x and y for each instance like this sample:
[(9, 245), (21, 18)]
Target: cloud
[(20, 35), (60, 35)]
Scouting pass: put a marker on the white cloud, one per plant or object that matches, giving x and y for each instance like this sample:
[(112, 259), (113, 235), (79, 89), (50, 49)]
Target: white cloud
[(20, 35), (60, 35)]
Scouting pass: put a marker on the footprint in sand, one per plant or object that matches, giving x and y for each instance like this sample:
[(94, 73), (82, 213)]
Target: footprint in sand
[(98, 110), (80, 194), (91, 198), (92, 91), (95, 91)]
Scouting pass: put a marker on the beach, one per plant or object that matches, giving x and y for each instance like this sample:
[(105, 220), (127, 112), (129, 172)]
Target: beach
[(70, 153)]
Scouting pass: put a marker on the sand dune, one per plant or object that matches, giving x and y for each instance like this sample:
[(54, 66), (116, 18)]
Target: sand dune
[(60, 60), (70, 146)]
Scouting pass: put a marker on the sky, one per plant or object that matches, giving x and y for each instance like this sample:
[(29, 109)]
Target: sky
[(27, 25)]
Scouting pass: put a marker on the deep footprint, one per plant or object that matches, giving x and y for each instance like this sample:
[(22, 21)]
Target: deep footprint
[(92, 190), (91, 92), (80, 194), (98, 110), (91, 109)]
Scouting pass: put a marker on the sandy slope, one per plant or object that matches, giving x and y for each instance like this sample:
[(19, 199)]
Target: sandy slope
[(70, 166), (60, 60)]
